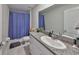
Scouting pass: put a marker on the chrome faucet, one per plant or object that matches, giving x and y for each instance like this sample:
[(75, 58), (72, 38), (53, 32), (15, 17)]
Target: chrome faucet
[(50, 33), (56, 36)]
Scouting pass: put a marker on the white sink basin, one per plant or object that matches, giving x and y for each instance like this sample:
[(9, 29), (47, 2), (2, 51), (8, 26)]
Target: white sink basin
[(53, 43)]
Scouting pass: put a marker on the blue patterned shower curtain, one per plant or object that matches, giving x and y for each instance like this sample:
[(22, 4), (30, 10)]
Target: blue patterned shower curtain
[(19, 24), (41, 21)]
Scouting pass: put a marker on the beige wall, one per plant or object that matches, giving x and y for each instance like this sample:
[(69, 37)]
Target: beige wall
[(4, 17), (0, 23), (5, 21), (34, 14)]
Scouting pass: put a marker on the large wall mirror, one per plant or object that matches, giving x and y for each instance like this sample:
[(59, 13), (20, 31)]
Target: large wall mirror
[(62, 18), (71, 21)]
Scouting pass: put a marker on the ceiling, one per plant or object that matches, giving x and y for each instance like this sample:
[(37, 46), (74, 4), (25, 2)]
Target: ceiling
[(24, 7)]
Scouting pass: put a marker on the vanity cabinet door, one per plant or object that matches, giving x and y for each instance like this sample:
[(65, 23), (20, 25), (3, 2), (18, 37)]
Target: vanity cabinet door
[(33, 47), (39, 47), (34, 50)]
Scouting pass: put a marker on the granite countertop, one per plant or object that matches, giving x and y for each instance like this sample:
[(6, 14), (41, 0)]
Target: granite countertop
[(68, 51)]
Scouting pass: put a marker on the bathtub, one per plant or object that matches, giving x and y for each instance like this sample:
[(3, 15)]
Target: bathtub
[(20, 49)]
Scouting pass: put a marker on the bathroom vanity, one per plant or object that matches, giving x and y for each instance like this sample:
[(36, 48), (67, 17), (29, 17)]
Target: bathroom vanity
[(38, 47)]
